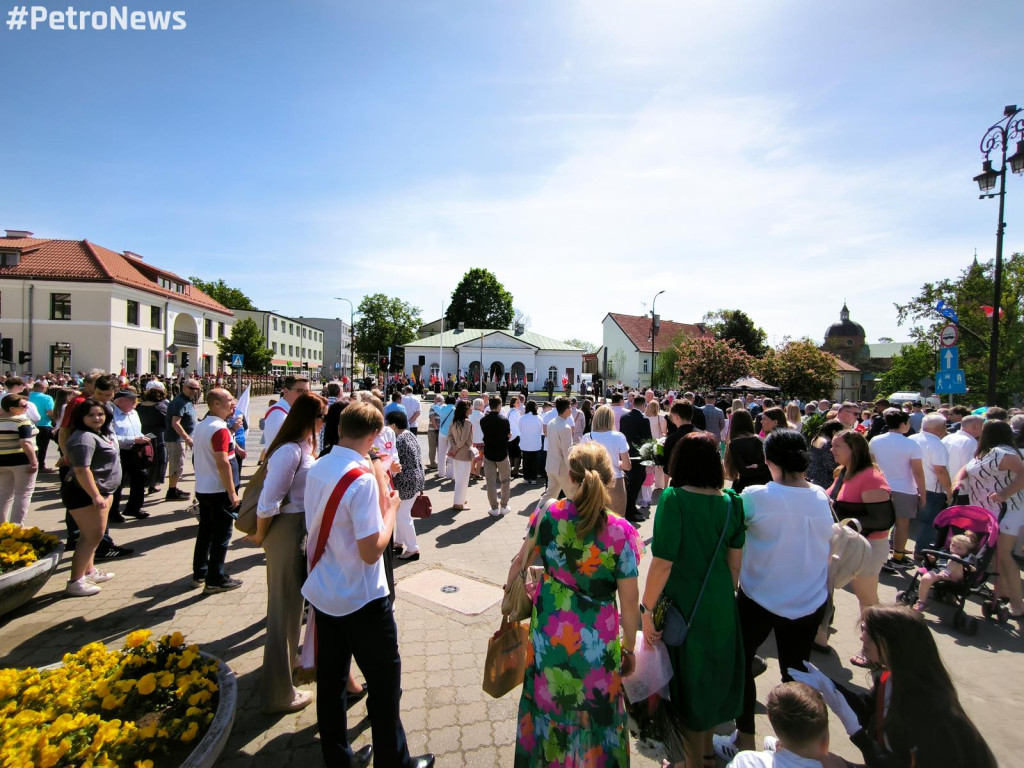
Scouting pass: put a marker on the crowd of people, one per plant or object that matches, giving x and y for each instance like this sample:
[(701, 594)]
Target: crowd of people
[(740, 482)]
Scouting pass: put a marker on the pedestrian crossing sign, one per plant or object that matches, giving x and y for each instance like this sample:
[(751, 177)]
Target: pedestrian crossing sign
[(237, 360)]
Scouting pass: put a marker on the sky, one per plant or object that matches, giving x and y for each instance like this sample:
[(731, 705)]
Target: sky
[(774, 157)]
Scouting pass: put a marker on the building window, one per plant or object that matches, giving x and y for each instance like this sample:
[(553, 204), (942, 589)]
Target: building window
[(60, 358), (60, 306), (273, 347), (155, 318), (10, 258), (220, 330), (131, 362), (291, 350), (647, 365), (208, 329), (154, 362), (291, 329), (273, 323), (553, 374), (133, 312)]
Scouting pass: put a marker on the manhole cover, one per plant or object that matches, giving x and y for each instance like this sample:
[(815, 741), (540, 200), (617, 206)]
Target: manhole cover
[(452, 590)]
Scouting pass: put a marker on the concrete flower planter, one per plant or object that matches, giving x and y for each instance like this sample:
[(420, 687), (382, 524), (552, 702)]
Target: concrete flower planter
[(206, 752), (19, 586), (212, 744)]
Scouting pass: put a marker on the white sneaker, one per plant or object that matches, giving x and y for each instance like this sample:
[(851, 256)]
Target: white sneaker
[(494, 512), (771, 744), (505, 510), (81, 588), (725, 746), (96, 576)]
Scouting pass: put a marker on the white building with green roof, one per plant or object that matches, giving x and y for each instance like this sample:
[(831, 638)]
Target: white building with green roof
[(501, 354)]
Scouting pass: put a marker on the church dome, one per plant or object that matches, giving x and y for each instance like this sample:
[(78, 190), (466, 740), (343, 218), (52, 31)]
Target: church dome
[(845, 327)]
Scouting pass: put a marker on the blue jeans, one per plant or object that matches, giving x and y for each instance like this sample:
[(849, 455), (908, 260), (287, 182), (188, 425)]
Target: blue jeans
[(925, 538)]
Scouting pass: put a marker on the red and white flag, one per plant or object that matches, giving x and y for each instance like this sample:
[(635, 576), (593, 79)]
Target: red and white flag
[(990, 310)]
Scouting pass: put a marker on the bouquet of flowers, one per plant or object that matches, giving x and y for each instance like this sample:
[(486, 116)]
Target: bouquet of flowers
[(652, 452), (23, 546), (108, 708)]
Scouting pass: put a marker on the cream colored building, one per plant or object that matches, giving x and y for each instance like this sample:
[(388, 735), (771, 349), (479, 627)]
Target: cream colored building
[(74, 306), (297, 347)]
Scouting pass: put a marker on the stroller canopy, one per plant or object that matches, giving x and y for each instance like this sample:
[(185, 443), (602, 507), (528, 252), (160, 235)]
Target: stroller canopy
[(977, 519)]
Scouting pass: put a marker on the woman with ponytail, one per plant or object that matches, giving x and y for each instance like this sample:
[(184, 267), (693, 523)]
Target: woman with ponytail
[(589, 555), (783, 573)]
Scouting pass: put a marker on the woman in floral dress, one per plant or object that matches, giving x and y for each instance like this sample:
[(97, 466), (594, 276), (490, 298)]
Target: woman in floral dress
[(572, 710)]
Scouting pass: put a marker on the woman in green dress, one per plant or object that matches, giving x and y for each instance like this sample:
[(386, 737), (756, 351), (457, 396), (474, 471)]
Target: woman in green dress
[(707, 669), (572, 711)]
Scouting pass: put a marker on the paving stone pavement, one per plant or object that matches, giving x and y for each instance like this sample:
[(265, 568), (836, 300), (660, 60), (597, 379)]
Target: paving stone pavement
[(444, 709)]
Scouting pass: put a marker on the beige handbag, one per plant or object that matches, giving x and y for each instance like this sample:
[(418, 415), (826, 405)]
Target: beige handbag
[(517, 604)]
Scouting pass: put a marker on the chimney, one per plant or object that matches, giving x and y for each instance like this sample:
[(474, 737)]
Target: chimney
[(17, 234), (132, 255)]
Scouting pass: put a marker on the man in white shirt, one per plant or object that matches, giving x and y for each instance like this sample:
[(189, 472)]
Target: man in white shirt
[(128, 429), (291, 388), (558, 441), (213, 451), (412, 409), (938, 489), (961, 447), (515, 454), (348, 589), (902, 462), (617, 408)]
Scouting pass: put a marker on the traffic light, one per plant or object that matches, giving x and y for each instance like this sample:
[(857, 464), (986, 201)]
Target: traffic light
[(24, 357), (383, 363), (184, 359), (398, 358)]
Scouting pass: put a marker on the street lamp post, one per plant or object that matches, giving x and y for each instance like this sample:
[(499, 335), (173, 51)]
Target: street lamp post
[(998, 138), (654, 330), (341, 344)]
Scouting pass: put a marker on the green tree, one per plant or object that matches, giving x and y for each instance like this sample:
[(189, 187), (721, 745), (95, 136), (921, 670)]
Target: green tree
[(384, 322), (705, 363), (586, 346), (666, 372), (247, 339), (908, 368), (616, 365), (736, 325), (800, 369), (480, 301), (967, 294), (232, 298)]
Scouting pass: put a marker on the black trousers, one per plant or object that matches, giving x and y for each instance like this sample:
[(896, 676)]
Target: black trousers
[(530, 464), (634, 482), (134, 476), (216, 518), (370, 636), (793, 638), (43, 438)]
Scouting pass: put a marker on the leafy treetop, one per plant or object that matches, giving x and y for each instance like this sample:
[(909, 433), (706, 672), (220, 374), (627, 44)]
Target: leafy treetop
[(219, 291), (800, 369), (247, 339), (736, 325), (480, 301), (384, 322)]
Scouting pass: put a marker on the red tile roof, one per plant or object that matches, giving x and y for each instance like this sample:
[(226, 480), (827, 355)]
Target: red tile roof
[(842, 365), (81, 260), (638, 329)]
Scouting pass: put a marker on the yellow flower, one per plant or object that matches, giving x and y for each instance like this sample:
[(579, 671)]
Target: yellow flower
[(147, 684), (191, 732), (109, 701), (177, 639), (137, 638), (166, 679), (143, 764)]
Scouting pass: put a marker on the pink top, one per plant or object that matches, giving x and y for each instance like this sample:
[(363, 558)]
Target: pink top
[(853, 491)]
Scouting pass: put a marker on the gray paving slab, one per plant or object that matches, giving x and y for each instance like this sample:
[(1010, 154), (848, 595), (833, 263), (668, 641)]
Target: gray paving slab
[(444, 708)]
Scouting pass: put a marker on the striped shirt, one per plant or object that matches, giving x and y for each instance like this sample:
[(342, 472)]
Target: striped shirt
[(13, 430)]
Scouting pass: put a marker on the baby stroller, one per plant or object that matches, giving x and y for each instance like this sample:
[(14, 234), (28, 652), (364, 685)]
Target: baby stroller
[(948, 524)]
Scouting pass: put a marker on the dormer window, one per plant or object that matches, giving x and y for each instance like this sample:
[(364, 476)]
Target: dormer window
[(10, 258)]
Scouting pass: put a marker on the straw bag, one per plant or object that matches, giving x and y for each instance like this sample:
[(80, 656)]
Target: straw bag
[(517, 604), (505, 666)]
